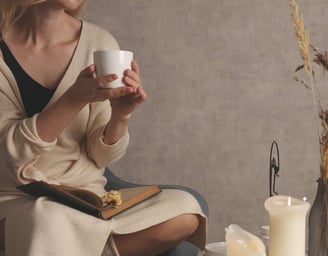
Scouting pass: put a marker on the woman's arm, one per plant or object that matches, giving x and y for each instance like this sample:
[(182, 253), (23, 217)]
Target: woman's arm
[(86, 89), (122, 107), (106, 141)]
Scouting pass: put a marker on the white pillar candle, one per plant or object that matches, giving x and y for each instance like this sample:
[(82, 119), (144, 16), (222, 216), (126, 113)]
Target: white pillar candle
[(287, 225), (242, 243)]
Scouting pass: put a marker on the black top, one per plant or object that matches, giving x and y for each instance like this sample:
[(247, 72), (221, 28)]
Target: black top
[(35, 96)]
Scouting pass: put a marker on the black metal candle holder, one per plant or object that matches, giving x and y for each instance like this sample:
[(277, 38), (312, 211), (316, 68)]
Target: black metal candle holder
[(274, 168)]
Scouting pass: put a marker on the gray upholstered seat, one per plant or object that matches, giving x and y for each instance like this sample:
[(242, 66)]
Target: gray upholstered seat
[(184, 248)]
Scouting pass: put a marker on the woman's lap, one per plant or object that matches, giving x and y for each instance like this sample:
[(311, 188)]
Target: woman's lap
[(43, 227), (35, 222)]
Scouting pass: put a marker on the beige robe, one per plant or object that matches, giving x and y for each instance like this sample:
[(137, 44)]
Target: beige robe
[(39, 227)]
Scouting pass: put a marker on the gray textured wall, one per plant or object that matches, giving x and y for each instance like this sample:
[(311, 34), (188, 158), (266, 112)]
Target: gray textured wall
[(219, 78)]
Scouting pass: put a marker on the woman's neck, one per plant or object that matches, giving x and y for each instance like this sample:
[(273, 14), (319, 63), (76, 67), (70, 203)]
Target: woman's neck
[(42, 26)]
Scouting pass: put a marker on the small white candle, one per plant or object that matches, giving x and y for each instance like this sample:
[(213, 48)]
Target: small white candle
[(242, 243), (287, 225)]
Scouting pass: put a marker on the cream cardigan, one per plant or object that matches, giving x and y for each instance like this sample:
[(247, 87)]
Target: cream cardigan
[(39, 227), (78, 155)]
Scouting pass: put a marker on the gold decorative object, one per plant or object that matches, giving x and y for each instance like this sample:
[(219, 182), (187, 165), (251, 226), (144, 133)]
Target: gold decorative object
[(113, 198)]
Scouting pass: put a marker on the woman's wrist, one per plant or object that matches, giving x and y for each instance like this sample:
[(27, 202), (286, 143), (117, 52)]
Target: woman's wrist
[(115, 130), (120, 119)]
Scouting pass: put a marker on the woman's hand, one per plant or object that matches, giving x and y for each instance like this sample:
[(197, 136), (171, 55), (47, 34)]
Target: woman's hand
[(88, 89), (123, 106)]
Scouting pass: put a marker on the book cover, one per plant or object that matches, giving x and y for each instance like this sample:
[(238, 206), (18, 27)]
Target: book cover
[(87, 201)]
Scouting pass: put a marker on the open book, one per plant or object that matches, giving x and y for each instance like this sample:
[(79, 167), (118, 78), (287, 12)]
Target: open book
[(87, 201)]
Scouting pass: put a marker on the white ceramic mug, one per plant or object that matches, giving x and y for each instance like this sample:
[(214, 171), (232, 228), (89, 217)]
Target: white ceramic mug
[(216, 249), (112, 62)]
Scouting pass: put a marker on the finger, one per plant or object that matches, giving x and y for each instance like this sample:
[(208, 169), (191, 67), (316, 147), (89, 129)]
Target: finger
[(88, 71), (132, 74), (113, 93), (104, 80), (141, 95), (135, 66), (131, 82)]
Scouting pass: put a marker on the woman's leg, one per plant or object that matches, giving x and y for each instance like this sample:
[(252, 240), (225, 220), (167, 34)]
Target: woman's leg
[(2, 234), (159, 238)]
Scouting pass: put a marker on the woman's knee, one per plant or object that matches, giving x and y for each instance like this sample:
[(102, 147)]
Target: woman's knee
[(179, 228), (158, 238), (188, 223)]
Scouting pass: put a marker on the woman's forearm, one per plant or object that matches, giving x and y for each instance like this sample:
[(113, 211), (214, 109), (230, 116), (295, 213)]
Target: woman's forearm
[(115, 130), (52, 121)]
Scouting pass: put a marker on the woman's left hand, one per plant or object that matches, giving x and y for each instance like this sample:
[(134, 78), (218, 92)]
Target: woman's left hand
[(123, 106)]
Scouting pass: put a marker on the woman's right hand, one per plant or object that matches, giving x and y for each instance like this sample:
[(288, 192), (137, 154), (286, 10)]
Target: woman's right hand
[(88, 88)]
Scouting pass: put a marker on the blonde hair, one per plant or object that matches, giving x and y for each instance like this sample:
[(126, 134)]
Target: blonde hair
[(12, 10)]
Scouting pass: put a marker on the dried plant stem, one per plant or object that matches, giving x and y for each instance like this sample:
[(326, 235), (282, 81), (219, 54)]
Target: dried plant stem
[(317, 106), (302, 37), (323, 166), (304, 48)]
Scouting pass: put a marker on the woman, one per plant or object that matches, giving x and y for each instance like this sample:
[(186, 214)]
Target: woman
[(59, 125)]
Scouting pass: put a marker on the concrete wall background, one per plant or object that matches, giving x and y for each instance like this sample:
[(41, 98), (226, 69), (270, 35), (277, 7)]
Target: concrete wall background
[(219, 78)]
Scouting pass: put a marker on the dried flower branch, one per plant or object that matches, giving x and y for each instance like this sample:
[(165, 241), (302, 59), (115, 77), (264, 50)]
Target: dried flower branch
[(322, 60), (302, 37), (302, 81)]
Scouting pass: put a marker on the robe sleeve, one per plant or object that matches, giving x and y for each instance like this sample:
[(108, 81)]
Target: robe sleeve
[(101, 153), (20, 143)]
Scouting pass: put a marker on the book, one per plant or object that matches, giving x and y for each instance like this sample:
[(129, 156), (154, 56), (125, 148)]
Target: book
[(88, 201)]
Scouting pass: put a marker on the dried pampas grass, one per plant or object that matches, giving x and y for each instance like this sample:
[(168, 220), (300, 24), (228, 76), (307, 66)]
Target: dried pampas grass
[(322, 60), (302, 37)]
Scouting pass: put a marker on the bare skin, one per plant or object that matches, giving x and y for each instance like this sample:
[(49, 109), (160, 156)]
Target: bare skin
[(157, 239), (45, 32)]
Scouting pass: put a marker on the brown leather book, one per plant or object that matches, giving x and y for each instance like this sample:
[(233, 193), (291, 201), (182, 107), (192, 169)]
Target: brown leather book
[(87, 201)]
